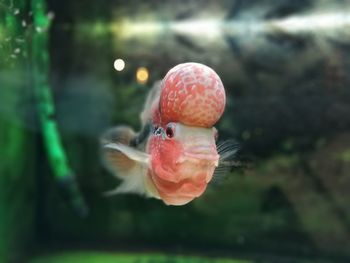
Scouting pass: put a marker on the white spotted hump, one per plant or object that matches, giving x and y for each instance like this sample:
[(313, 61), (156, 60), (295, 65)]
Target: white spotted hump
[(193, 94)]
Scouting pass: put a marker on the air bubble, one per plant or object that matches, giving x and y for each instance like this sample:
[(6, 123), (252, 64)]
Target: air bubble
[(16, 12)]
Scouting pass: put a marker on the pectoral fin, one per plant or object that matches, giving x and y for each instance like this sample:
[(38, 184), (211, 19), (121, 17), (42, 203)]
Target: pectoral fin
[(126, 162), (130, 152), (116, 161), (134, 179)]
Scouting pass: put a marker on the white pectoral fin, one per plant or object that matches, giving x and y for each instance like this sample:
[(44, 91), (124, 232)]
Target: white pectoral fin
[(130, 152), (135, 182), (132, 184), (134, 177)]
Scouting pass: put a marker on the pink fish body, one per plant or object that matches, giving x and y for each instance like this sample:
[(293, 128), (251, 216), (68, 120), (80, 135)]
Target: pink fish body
[(180, 155)]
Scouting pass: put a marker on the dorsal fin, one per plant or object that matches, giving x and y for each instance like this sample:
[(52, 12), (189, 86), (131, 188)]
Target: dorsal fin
[(151, 104)]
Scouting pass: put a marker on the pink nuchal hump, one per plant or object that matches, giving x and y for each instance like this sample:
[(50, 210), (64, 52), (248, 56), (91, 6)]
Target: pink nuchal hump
[(192, 94)]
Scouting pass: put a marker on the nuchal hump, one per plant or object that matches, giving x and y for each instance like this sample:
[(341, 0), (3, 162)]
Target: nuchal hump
[(193, 94)]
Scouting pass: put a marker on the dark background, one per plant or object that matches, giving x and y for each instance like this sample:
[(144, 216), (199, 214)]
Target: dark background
[(288, 106)]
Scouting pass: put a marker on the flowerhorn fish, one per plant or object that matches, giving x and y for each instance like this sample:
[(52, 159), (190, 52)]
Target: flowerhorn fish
[(175, 155)]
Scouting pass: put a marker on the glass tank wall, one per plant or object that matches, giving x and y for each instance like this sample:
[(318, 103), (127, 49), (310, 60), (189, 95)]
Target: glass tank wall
[(69, 70)]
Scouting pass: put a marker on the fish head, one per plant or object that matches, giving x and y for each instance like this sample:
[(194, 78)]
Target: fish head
[(183, 160)]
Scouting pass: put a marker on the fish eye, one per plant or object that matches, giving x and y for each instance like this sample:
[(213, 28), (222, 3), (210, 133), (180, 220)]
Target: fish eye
[(170, 130)]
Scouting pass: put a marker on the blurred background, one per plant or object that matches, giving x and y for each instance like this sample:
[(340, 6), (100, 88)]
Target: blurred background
[(71, 69)]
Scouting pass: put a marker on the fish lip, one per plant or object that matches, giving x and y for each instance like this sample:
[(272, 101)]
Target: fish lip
[(178, 187), (177, 200), (183, 195)]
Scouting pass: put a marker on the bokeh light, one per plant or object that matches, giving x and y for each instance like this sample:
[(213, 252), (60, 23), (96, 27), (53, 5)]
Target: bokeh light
[(119, 64), (142, 75)]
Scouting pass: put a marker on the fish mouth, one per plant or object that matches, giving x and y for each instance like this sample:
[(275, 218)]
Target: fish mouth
[(181, 193), (178, 200)]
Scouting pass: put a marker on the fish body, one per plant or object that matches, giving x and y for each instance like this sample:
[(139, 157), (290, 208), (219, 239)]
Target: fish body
[(178, 156)]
